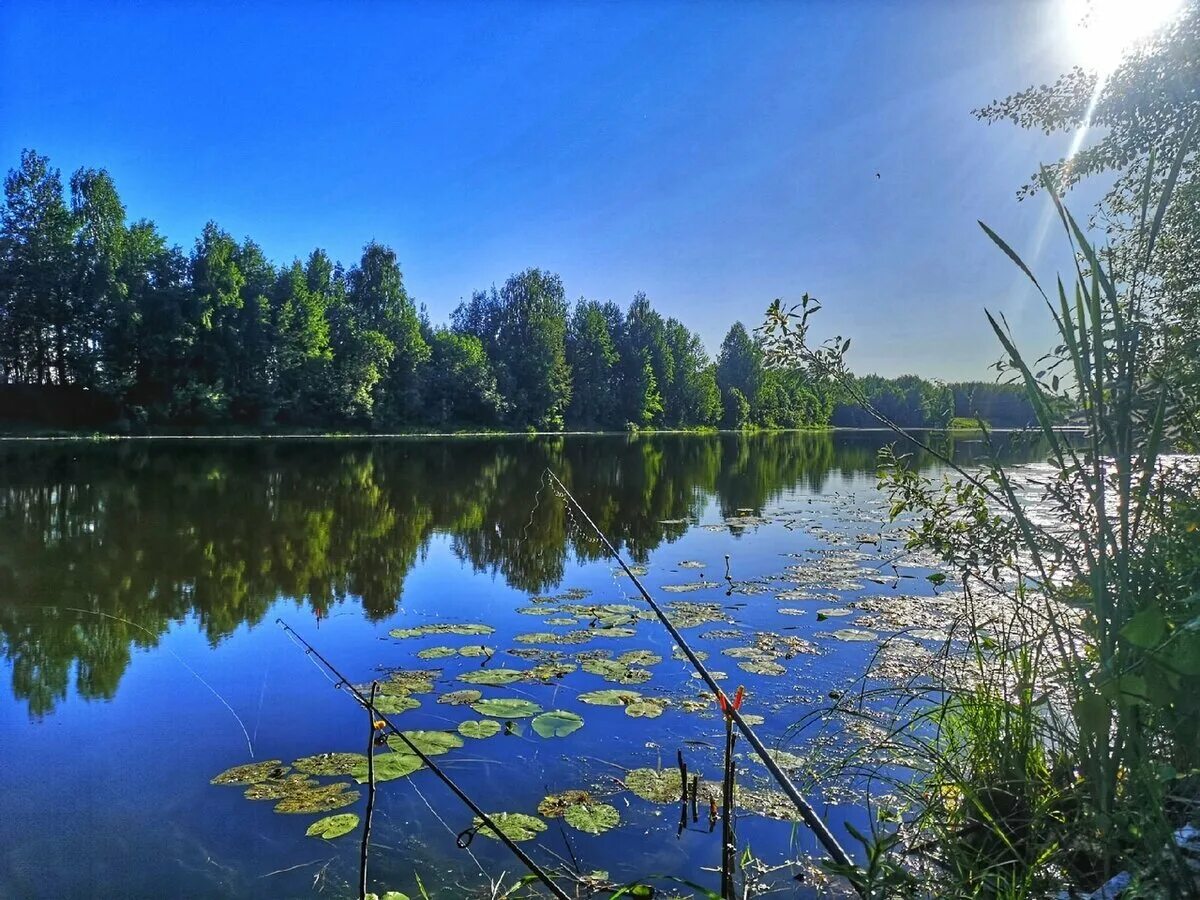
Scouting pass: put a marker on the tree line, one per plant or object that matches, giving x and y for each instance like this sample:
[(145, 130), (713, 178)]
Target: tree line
[(102, 321)]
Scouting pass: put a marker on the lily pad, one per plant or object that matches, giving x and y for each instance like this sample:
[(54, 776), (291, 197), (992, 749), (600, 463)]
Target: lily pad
[(514, 826), (833, 612), (639, 658), (691, 564), (554, 805), (689, 587), (436, 652), (557, 723), (388, 895), (593, 818), (394, 704), (655, 785), (331, 827), (474, 650), (550, 671), (481, 728), (689, 615), (506, 708), (278, 788), (610, 697), (330, 763), (407, 681), (390, 766), (852, 634), (431, 743), (762, 667), (460, 698), (464, 628), (321, 798), (493, 677), (252, 773), (646, 708)]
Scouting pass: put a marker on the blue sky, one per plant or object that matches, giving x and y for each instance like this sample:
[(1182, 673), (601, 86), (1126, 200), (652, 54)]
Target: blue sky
[(714, 155)]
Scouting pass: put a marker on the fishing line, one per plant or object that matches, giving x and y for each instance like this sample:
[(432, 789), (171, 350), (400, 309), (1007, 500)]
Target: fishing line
[(178, 658), (807, 813)]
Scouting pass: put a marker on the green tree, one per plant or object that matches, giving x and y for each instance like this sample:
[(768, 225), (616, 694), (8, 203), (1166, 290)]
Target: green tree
[(592, 356), (693, 397), (102, 317), (740, 368), (459, 385), (303, 352), (644, 342)]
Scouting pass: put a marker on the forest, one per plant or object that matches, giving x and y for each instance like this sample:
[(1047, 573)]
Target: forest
[(105, 325)]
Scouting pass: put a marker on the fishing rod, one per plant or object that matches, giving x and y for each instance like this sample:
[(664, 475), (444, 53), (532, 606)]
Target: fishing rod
[(533, 867), (807, 813)]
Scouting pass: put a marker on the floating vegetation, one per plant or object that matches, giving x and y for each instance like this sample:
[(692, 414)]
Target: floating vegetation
[(554, 805), (562, 620), (277, 789), (406, 681), (317, 798), (636, 571), (691, 564), (610, 697), (493, 677), (550, 671), (619, 673), (436, 653), (639, 658), (575, 593), (465, 629), (655, 785), (390, 766), (460, 698), (330, 763), (506, 708), (431, 743), (474, 650), (332, 827), (592, 818), (762, 667), (689, 615), (646, 708), (793, 594), (690, 586), (556, 723), (785, 760), (394, 704), (251, 773), (701, 655), (833, 612), (792, 611), (536, 653), (481, 728), (851, 634), (514, 826), (721, 634), (929, 634)]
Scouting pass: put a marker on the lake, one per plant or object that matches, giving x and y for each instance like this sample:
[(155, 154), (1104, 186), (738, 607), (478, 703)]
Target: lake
[(141, 581)]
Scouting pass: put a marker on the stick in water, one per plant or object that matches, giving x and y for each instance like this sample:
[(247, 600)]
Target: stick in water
[(366, 839)]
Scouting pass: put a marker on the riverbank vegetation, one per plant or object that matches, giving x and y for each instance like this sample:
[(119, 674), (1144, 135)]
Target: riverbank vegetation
[(1055, 744), (104, 325)]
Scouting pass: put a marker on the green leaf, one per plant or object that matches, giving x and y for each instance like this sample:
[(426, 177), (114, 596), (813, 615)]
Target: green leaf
[(655, 785), (331, 827), (431, 743), (557, 723), (482, 728), (514, 826), (593, 818), (1146, 629), (493, 677), (506, 708), (610, 697)]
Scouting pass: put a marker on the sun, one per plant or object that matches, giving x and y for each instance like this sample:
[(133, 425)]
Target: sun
[(1102, 31)]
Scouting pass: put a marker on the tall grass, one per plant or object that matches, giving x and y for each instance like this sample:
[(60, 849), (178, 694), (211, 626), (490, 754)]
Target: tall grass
[(1063, 746)]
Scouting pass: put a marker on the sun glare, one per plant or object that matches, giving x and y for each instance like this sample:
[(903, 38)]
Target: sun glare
[(1102, 31)]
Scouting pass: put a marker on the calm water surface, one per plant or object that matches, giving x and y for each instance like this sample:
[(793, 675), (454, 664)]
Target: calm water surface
[(140, 585)]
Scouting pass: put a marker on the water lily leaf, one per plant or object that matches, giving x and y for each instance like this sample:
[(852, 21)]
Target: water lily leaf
[(639, 658), (331, 827), (277, 789), (460, 698), (646, 708), (678, 654), (550, 671), (463, 628), (557, 723), (593, 818), (506, 708), (762, 667), (252, 773), (554, 805), (390, 766), (689, 615), (436, 652), (784, 759), (388, 895), (482, 728), (320, 798), (611, 670), (431, 743), (393, 704), (929, 634), (493, 676), (691, 564), (689, 587), (406, 681), (539, 637), (574, 594), (561, 620), (330, 763), (852, 634), (474, 650), (655, 785), (514, 826), (610, 697)]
